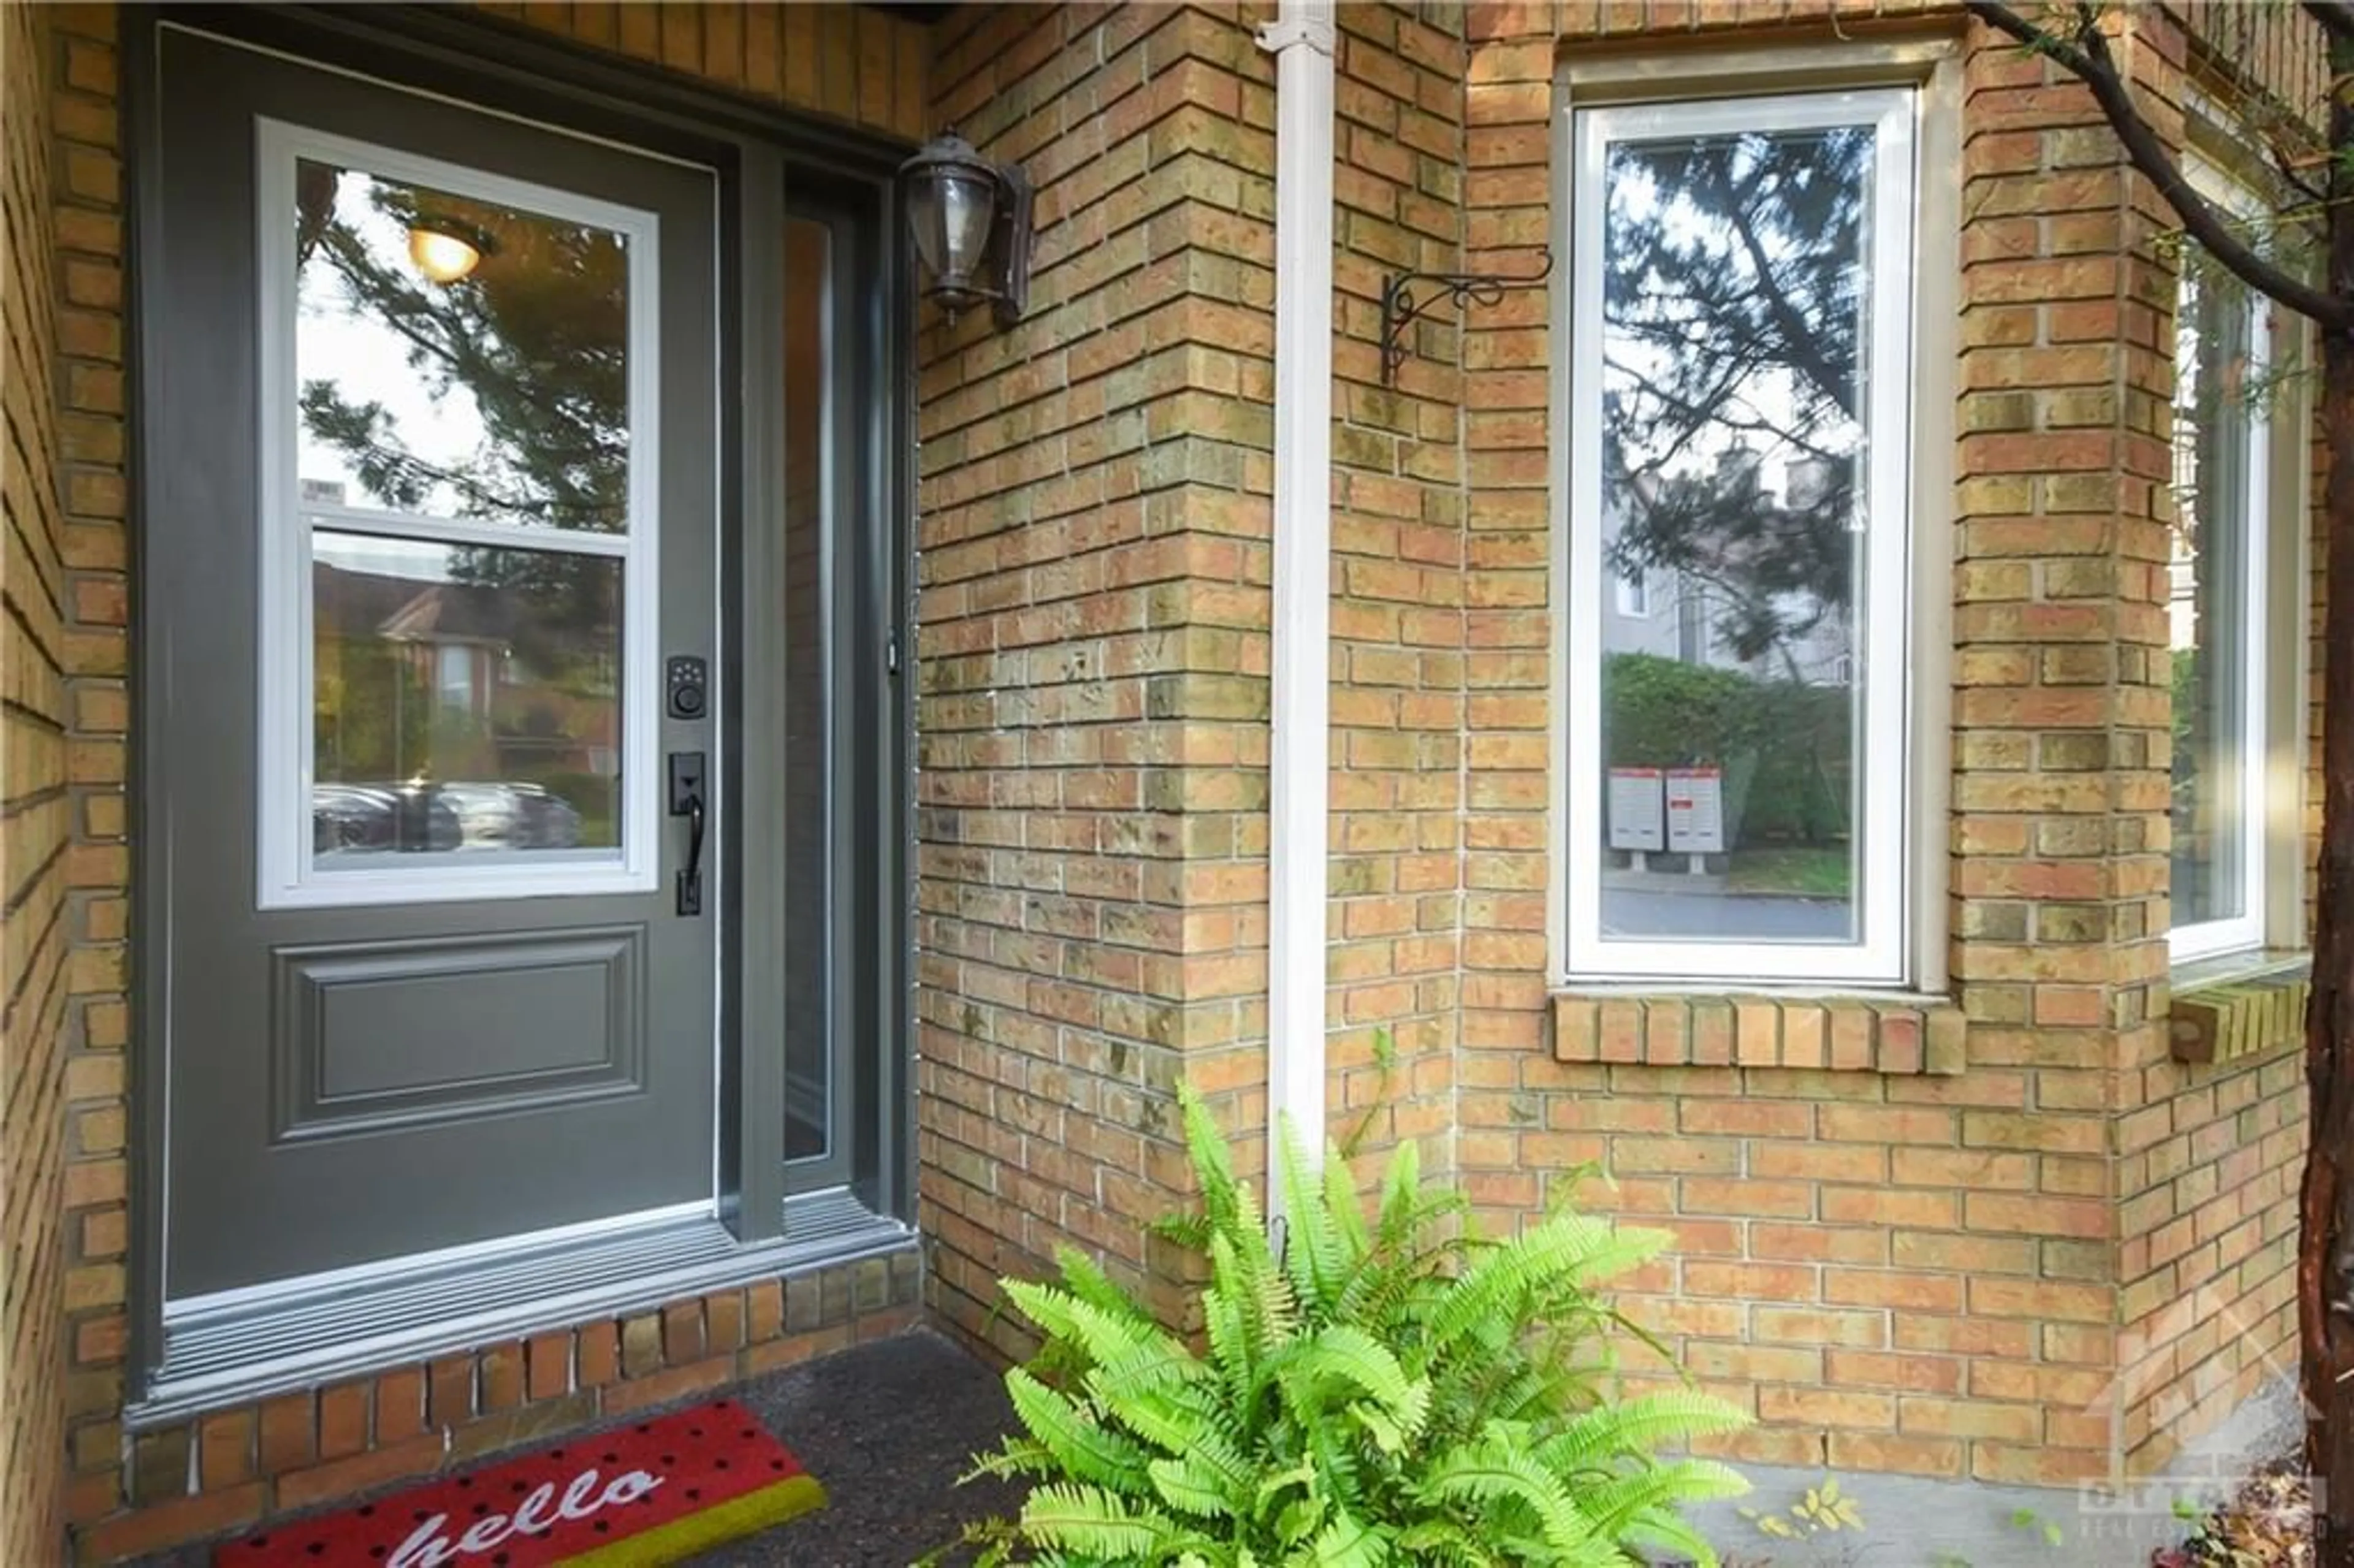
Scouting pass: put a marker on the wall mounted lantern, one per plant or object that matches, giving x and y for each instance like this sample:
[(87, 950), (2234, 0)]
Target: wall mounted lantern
[(969, 219)]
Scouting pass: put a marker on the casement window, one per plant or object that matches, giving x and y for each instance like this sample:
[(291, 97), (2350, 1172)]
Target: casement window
[(1742, 796), (2218, 570)]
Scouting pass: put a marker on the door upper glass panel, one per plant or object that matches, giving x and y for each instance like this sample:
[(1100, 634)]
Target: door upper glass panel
[(460, 669), (459, 357)]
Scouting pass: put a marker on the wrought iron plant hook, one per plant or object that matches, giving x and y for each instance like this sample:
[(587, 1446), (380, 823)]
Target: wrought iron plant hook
[(1402, 307)]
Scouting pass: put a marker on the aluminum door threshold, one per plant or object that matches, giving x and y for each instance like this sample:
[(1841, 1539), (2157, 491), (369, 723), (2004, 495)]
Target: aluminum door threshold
[(242, 1346)]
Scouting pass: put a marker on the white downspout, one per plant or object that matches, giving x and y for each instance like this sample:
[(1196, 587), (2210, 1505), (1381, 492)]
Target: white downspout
[(1300, 38)]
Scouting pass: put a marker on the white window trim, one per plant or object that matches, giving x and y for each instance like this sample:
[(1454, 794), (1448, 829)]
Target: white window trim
[(286, 874), (1634, 595), (2247, 931), (1885, 910)]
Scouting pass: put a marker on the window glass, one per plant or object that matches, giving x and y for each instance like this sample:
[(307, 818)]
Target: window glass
[(1743, 294), (415, 747), (809, 682), (2214, 576), (456, 379), (457, 358)]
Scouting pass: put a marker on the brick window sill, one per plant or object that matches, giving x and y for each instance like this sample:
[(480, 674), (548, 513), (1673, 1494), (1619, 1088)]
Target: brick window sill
[(1865, 1034), (2239, 1008)]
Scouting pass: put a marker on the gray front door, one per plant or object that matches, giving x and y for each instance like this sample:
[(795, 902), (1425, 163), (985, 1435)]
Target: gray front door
[(428, 599)]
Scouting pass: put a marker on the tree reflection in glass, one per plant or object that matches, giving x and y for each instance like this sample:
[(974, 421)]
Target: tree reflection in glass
[(464, 695), (501, 395), (1735, 286)]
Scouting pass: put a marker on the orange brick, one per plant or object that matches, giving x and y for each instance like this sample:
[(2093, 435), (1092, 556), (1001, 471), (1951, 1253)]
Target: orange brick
[(667, 1386), (343, 1420), (1825, 1407), (290, 1434), (325, 1483), (1912, 1373)]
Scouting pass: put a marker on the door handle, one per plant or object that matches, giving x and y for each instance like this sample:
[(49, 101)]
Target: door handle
[(687, 789)]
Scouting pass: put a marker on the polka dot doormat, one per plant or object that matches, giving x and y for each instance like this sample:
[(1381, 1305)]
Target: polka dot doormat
[(632, 1498)]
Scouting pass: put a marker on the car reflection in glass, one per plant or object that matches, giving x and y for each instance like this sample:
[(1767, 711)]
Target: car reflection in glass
[(376, 819)]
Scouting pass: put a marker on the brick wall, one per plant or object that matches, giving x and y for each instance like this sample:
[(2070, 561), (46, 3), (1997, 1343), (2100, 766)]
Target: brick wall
[(1408, 661), (1092, 646), (1893, 1270), (2209, 1155), (34, 823), (91, 339)]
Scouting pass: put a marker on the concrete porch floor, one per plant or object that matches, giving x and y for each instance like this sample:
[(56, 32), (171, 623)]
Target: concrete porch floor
[(889, 1425)]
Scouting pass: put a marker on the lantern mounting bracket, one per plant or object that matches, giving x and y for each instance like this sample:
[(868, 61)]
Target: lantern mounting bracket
[(1402, 307), (1011, 246)]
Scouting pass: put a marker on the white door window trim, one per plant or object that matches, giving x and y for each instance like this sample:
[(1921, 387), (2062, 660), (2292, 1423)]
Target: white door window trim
[(2187, 942), (1883, 746), (286, 875)]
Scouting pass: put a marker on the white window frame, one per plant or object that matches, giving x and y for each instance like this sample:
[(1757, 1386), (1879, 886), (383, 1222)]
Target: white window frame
[(286, 874), (1634, 594), (1887, 751), (2246, 931)]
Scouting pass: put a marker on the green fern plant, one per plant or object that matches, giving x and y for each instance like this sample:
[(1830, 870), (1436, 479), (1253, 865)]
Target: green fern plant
[(1368, 1394)]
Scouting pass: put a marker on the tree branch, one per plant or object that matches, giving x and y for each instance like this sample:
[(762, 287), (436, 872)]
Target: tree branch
[(2087, 56)]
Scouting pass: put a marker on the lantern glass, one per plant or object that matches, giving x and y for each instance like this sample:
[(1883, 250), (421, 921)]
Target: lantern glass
[(442, 256), (949, 212)]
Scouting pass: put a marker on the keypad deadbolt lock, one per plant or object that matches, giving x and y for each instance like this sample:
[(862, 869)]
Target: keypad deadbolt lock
[(687, 685)]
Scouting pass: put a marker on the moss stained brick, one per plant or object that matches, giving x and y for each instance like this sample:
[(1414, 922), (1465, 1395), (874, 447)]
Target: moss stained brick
[(1092, 646)]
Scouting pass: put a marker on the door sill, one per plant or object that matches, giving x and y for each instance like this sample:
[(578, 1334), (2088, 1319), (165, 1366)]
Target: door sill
[(232, 1350)]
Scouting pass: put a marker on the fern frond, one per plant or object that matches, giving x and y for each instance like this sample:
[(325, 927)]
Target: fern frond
[(1639, 1425), (1349, 1230), (1670, 1534), (1349, 1542), (1182, 1430), (1212, 1164), (1103, 1336), (1098, 1523), (1400, 1220), (1013, 1457), (1495, 1469), (1385, 1392), (1343, 1354), (1085, 1280), (1189, 1486), (1311, 1248), (1615, 1506), (1567, 1250), (1086, 1451)]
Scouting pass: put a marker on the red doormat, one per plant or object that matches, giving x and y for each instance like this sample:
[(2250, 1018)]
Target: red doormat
[(632, 1498)]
